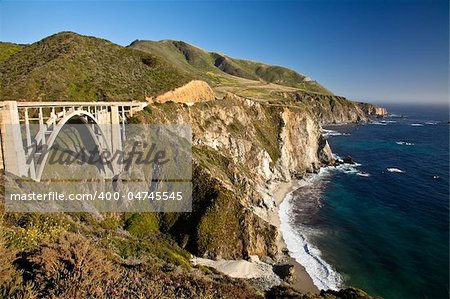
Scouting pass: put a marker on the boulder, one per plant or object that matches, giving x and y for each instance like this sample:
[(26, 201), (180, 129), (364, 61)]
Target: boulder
[(349, 160), (285, 271)]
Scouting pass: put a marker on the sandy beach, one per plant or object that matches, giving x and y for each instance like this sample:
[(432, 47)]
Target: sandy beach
[(303, 281), (256, 269)]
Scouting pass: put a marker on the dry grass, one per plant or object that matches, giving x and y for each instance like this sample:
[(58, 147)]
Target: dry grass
[(81, 266), (72, 267)]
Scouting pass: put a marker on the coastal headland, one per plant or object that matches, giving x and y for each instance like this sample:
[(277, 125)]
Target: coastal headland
[(256, 130)]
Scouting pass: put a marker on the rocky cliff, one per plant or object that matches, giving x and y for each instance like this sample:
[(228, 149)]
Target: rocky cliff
[(371, 109), (240, 147)]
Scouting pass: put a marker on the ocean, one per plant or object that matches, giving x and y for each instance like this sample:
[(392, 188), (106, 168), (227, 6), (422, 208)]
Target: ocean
[(381, 224)]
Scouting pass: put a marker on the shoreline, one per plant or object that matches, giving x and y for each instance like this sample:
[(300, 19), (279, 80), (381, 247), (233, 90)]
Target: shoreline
[(303, 281), (254, 268)]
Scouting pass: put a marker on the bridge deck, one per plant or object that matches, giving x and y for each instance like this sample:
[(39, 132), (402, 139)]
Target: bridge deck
[(78, 104)]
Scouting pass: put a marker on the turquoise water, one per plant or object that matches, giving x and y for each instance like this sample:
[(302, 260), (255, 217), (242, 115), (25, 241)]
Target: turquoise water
[(386, 232)]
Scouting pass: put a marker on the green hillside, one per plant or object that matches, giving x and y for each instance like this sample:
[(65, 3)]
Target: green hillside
[(219, 69), (71, 67), (8, 49)]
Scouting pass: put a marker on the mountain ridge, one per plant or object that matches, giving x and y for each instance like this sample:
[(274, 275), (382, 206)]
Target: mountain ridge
[(201, 61), (127, 74)]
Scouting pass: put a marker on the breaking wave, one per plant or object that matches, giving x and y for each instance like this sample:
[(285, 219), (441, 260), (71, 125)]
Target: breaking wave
[(393, 169), (295, 237), (326, 132)]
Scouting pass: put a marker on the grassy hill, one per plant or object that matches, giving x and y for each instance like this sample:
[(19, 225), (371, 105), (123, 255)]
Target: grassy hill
[(71, 67), (8, 49), (218, 69)]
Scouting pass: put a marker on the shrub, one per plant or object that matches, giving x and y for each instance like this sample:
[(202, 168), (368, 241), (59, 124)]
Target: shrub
[(72, 267), (141, 225), (33, 232), (111, 223)]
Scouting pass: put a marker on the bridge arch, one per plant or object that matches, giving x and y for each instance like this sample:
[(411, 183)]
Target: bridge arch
[(17, 139), (86, 118)]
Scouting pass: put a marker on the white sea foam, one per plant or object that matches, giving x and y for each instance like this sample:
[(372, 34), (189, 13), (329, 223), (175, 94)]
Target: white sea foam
[(296, 237), (393, 169), (404, 143), (417, 125), (336, 157), (431, 123), (348, 168), (322, 274), (342, 167), (326, 132), (364, 174), (395, 115), (378, 123)]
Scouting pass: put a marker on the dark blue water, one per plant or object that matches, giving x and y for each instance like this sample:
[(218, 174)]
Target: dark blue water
[(388, 233)]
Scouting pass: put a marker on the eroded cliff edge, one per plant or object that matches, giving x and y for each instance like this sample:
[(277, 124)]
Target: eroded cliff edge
[(240, 147)]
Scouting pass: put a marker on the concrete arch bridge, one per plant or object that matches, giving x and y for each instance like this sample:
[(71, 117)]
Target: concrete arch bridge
[(23, 146)]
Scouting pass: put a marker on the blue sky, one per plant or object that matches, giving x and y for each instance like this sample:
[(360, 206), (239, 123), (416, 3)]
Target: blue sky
[(378, 51)]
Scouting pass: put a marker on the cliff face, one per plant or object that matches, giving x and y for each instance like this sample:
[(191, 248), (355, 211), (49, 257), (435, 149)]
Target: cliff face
[(240, 146), (371, 109)]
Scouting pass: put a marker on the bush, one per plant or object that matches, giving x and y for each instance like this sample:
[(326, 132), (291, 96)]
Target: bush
[(33, 231), (11, 281), (141, 225), (111, 223), (72, 267)]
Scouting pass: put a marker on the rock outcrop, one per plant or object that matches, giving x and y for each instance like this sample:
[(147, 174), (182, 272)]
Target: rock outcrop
[(371, 109), (282, 292), (194, 91)]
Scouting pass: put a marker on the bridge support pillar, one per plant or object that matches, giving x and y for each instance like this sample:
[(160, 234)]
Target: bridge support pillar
[(12, 145), (116, 138)]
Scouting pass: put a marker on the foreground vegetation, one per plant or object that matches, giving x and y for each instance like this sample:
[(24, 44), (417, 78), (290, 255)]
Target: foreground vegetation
[(78, 255), (121, 256)]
